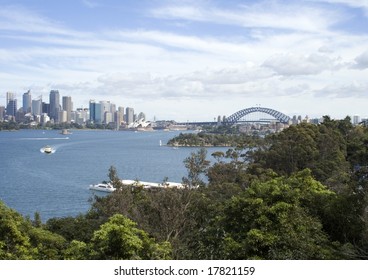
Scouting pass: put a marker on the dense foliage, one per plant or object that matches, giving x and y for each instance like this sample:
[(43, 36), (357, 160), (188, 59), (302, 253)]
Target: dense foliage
[(205, 139), (298, 194)]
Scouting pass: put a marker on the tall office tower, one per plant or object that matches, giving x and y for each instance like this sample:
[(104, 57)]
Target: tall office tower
[(46, 108), (63, 116), (108, 117), (92, 110), (9, 96), (105, 107), (27, 102), (356, 119), (37, 107), (95, 112), (54, 105), (2, 113), (11, 109), (68, 108), (112, 111), (119, 118), (129, 115)]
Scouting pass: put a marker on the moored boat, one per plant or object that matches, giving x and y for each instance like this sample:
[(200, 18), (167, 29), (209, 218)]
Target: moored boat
[(102, 187)]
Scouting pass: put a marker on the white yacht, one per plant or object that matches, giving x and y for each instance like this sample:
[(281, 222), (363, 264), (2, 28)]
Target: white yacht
[(102, 187)]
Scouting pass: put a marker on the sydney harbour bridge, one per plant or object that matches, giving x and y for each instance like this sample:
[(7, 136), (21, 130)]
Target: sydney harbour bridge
[(250, 115)]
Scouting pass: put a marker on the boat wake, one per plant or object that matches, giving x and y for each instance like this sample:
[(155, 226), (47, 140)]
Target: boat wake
[(44, 138)]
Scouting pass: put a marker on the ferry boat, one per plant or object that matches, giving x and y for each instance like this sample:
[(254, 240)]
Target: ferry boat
[(47, 150)]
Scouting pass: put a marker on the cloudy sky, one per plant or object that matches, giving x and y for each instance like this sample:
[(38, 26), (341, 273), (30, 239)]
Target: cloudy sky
[(190, 59)]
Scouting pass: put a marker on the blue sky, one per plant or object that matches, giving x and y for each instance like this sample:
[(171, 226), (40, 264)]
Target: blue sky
[(190, 60)]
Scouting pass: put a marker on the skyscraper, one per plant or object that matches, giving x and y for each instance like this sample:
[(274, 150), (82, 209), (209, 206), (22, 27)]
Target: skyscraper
[(54, 105), (95, 112), (129, 115), (68, 107), (11, 109), (27, 102), (37, 107), (9, 96)]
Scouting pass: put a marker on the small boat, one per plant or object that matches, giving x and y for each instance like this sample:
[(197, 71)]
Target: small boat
[(47, 150), (102, 187)]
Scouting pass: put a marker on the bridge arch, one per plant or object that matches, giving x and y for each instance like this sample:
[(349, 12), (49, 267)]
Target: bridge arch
[(234, 118)]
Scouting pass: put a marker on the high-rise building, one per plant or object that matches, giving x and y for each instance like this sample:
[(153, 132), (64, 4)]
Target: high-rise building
[(119, 117), (9, 96), (63, 116), (68, 108), (92, 110), (105, 108), (54, 105), (27, 102), (37, 107), (356, 119), (95, 112), (129, 115), (2, 113), (46, 108), (11, 109)]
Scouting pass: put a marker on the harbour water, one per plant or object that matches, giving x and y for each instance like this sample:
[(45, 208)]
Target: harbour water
[(56, 184)]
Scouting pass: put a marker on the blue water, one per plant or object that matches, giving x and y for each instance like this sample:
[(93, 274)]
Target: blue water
[(56, 185)]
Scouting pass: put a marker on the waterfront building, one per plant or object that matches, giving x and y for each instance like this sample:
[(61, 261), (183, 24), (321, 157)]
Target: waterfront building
[(46, 108), (119, 117), (63, 116), (129, 115), (54, 105), (95, 112), (44, 118), (2, 113), (27, 102), (105, 108), (9, 96), (11, 108), (108, 117), (37, 107), (92, 110), (81, 116), (68, 108)]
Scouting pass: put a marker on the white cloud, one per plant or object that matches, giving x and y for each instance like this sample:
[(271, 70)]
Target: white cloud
[(363, 4), (264, 14), (356, 89), (293, 64), (361, 61), (17, 18)]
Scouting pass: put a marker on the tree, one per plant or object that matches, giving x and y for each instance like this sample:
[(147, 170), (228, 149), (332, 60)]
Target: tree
[(196, 165), (119, 238), (114, 178), (272, 220)]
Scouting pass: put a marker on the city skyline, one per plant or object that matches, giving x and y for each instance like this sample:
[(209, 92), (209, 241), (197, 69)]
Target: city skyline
[(190, 60)]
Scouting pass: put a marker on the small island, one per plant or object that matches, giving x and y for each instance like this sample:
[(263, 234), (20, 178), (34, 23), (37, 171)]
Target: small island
[(210, 139)]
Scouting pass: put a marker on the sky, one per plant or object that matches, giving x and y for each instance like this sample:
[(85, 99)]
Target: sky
[(190, 60)]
